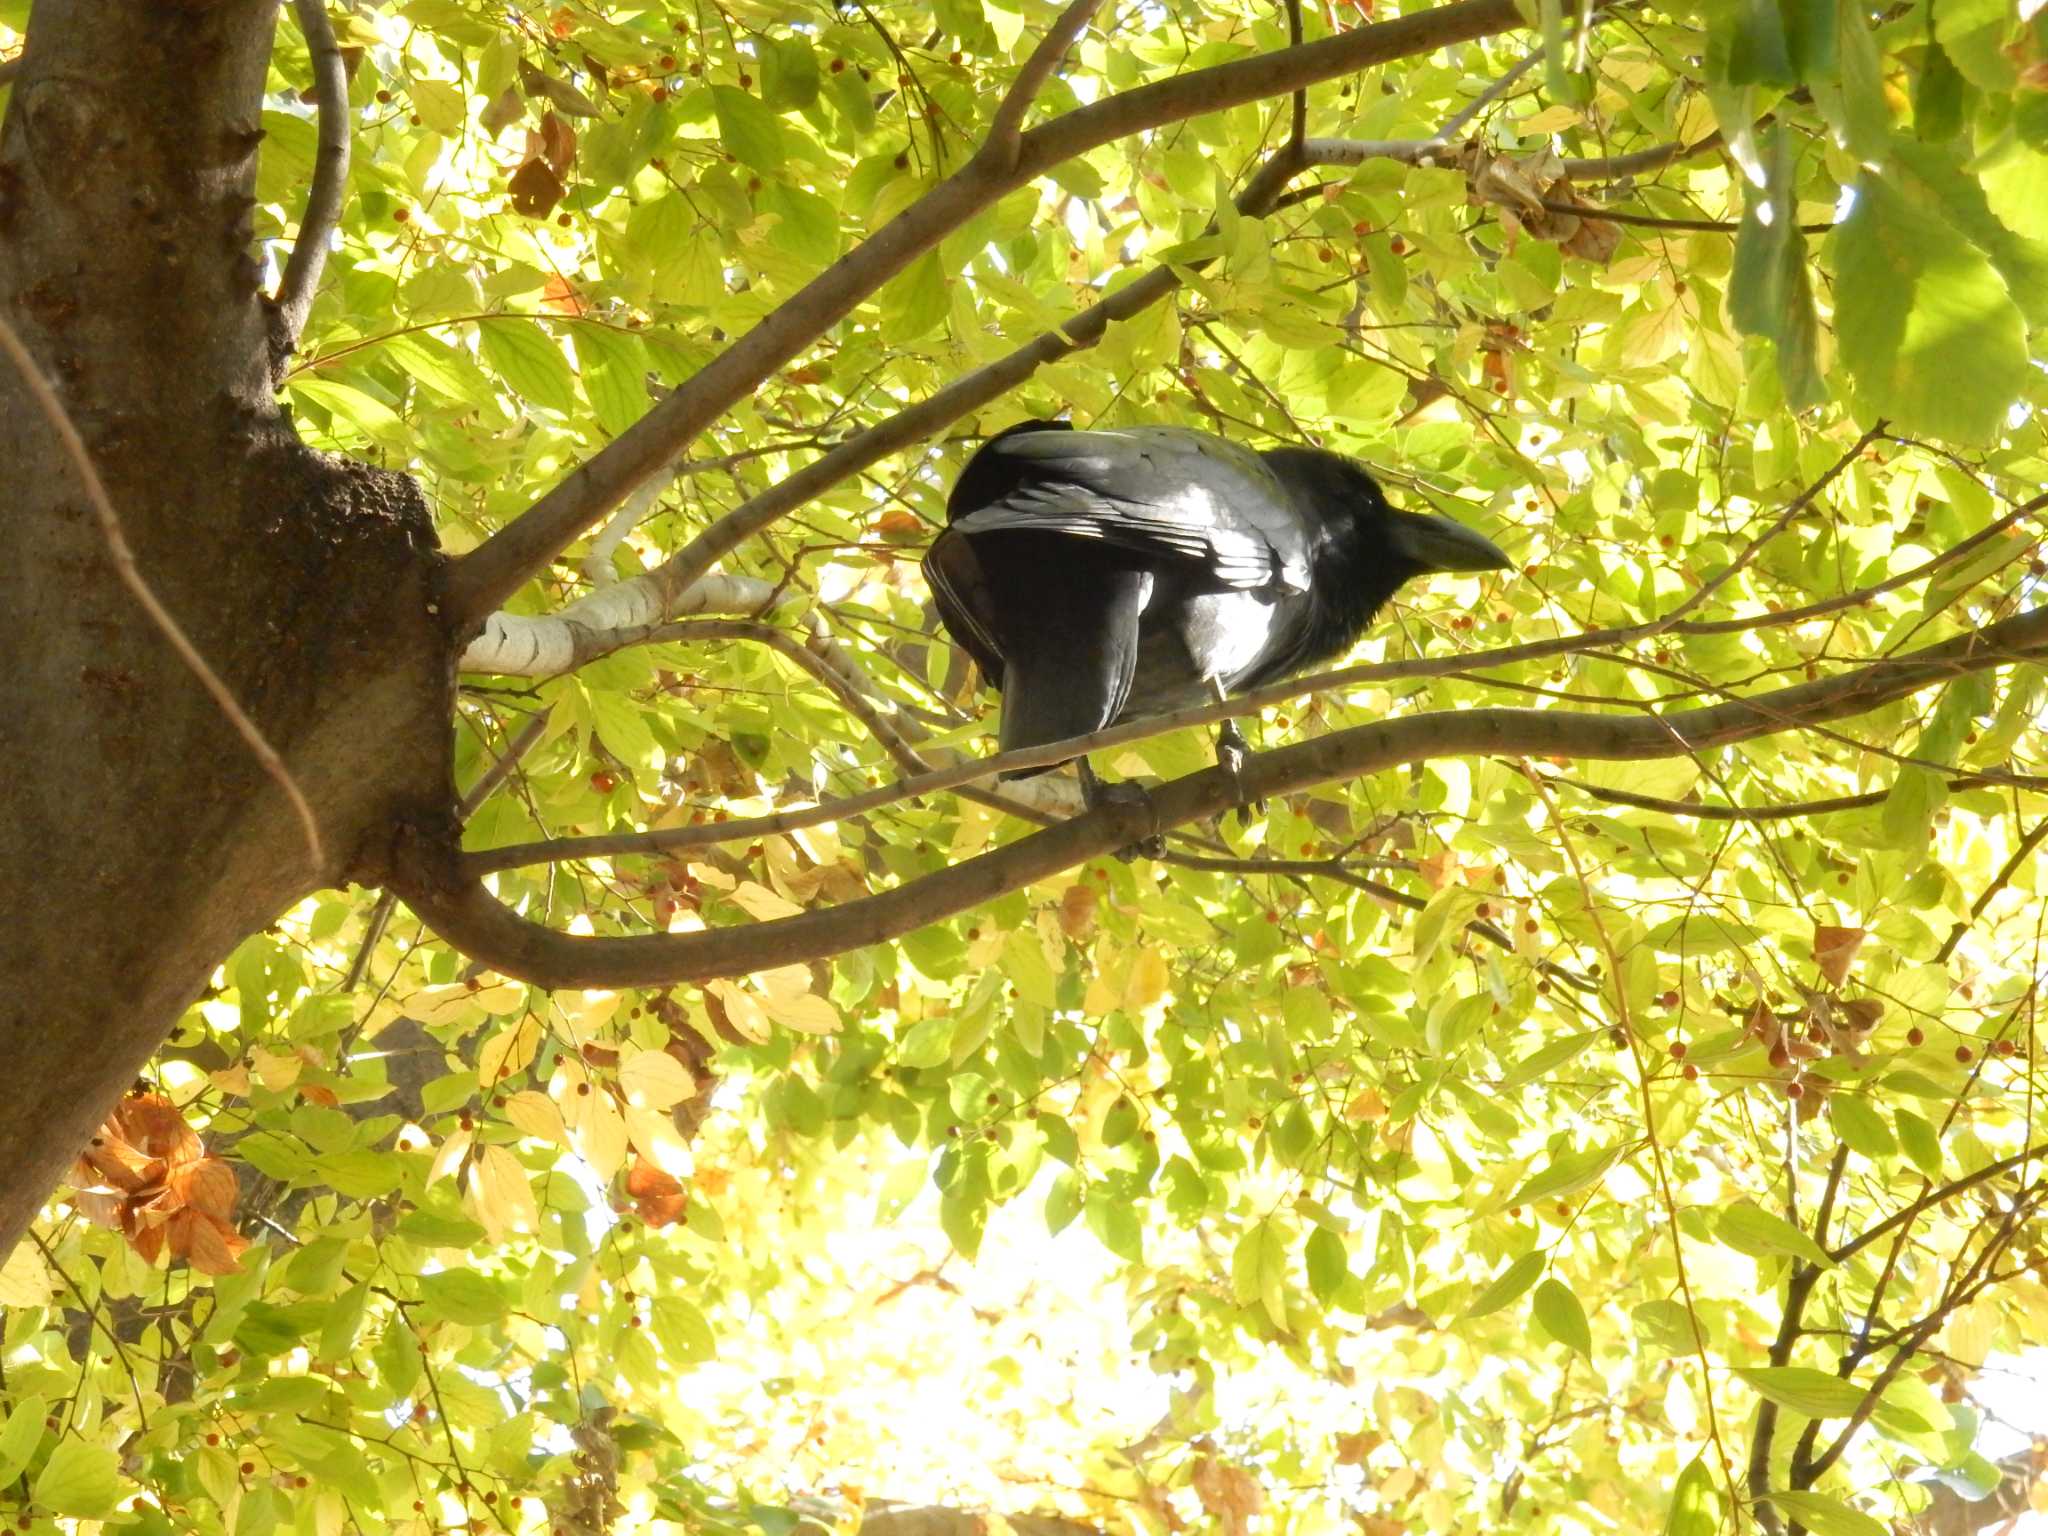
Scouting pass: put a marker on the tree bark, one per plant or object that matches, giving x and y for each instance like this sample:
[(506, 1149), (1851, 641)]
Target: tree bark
[(140, 839)]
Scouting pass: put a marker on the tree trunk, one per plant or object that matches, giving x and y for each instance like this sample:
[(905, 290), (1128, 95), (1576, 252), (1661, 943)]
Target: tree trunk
[(141, 839)]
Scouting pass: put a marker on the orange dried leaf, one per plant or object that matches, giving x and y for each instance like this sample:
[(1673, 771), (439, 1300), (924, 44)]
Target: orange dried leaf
[(658, 1197), (1834, 951)]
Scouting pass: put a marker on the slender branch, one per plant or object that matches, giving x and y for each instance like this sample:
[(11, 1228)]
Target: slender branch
[(1791, 811), (9, 68), (444, 890), (132, 578), (2020, 855), (1656, 221), (1934, 1197), (1493, 93), (1783, 520), (330, 177), (481, 580), (1006, 128), (1798, 1288)]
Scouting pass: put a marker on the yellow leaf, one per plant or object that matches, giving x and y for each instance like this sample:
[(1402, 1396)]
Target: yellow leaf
[(498, 1195), (762, 904), (535, 1115), (450, 1156), (742, 1010), (655, 1080), (808, 1014), (507, 1052), (275, 1070), (1549, 120), (25, 1279), (1148, 980)]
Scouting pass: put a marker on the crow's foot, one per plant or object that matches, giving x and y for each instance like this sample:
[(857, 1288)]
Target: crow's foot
[(1231, 751), (1094, 792)]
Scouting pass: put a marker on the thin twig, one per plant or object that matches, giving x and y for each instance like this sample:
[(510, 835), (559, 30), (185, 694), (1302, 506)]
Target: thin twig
[(330, 177), (132, 578), (1490, 95), (2010, 868)]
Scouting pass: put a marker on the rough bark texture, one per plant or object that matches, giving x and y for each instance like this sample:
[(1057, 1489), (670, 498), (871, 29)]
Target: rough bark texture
[(139, 839)]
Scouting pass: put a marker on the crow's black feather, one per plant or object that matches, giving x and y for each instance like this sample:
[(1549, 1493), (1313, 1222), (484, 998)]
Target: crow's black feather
[(1101, 575)]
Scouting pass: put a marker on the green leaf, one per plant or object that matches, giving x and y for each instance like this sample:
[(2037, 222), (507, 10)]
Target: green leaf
[(681, 1330), (1927, 329), (1507, 1286), (915, 300), (614, 376), (1938, 179), (80, 1479), (1826, 1516), (1063, 1202), (1752, 1230), (463, 1296), (1560, 1314), (1328, 1264), (444, 369), (1923, 1146), (1861, 1127), (1769, 292), (21, 1434), (1258, 1270), (1568, 1172), (1547, 1058), (748, 129), (521, 352), (1695, 1506), (344, 1320), (1816, 1394)]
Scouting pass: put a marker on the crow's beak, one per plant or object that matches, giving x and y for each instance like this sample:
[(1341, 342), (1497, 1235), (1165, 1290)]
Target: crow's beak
[(1438, 544)]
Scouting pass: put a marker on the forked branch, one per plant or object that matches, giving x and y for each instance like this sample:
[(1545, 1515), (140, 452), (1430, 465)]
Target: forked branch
[(489, 574)]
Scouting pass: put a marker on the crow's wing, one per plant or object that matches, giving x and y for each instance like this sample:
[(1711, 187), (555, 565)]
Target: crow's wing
[(1167, 492)]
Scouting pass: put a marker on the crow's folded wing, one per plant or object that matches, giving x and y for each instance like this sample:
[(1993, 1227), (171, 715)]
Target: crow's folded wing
[(1160, 491)]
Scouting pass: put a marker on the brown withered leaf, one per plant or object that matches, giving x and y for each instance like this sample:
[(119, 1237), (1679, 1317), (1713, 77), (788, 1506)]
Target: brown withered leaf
[(1532, 194), (1077, 910), (535, 189), (1227, 1492), (502, 111), (1834, 951), (658, 1197), (147, 1176), (555, 142)]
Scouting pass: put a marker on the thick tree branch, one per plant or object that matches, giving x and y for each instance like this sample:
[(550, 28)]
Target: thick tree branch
[(330, 177), (456, 904), (489, 574)]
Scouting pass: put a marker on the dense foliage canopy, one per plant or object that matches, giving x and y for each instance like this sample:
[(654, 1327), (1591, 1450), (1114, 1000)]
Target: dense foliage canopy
[(1551, 1121)]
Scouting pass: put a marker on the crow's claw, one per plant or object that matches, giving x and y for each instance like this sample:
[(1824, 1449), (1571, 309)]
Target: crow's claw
[(1094, 792), (1231, 751)]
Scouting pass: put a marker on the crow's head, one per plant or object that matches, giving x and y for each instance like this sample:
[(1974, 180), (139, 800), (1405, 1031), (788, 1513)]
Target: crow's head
[(1380, 543)]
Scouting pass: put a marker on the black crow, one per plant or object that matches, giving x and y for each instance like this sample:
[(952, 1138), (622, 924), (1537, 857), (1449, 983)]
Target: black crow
[(1097, 576)]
